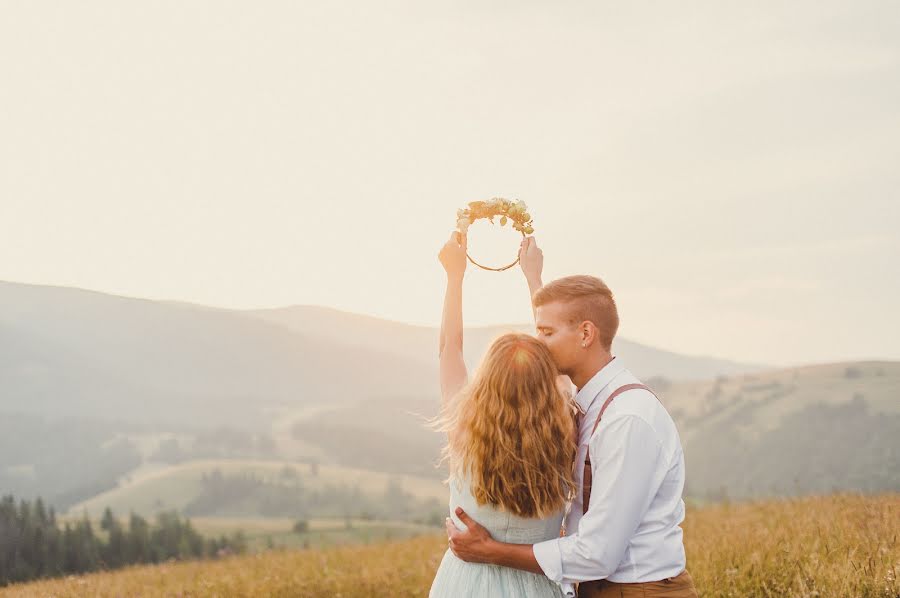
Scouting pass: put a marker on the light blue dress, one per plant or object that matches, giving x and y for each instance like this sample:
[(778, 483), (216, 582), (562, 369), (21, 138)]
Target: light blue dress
[(456, 578)]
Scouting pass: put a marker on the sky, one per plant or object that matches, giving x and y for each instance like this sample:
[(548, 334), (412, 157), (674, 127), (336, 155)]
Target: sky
[(729, 169)]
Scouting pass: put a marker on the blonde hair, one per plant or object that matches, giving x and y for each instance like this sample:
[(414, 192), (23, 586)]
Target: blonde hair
[(511, 430), (589, 299)]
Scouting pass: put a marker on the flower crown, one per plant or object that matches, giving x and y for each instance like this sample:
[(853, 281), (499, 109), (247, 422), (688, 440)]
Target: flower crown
[(509, 211), (515, 211)]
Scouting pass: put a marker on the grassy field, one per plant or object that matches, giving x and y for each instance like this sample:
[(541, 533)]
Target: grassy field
[(841, 546), (267, 533)]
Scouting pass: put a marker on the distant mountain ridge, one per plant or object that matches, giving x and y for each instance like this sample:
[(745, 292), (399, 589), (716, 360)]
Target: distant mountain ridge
[(420, 342), (66, 351)]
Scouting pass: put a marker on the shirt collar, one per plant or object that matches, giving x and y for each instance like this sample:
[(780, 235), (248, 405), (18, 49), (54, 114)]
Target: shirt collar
[(597, 383)]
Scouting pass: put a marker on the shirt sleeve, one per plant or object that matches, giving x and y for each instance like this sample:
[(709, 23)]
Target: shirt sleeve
[(626, 459)]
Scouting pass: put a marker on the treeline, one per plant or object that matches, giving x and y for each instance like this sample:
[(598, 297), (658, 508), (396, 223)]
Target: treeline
[(33, 545)]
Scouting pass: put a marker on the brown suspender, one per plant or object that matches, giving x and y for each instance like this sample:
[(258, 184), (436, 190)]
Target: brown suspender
[(588, 475)]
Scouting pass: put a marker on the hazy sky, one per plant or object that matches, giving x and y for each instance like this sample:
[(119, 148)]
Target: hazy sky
[(730, 169)]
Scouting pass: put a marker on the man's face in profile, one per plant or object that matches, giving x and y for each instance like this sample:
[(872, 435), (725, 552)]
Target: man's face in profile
[(559, 334)]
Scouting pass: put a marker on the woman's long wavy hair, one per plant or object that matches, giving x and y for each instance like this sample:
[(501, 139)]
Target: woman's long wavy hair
[(511, 430)]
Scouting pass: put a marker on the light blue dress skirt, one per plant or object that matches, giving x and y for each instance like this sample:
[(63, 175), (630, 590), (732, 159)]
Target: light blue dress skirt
[(456, 578)]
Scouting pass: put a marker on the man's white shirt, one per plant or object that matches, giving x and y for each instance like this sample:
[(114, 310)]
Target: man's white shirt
[(631, 533)]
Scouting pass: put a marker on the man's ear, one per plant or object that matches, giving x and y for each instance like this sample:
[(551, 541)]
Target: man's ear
[(587, 331)]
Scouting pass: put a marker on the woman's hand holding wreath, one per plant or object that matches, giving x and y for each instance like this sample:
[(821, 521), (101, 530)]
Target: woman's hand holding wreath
[(453, 255)]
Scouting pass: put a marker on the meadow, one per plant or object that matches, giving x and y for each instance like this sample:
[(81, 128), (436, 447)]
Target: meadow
[(840, 545)]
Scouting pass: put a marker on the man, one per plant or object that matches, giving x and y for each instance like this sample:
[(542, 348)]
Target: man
[(622, 530)]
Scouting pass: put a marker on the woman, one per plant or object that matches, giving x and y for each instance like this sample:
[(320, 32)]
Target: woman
[(510, 447)]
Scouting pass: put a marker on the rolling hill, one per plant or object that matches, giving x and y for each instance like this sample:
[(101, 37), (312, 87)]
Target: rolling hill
[(157, 489)]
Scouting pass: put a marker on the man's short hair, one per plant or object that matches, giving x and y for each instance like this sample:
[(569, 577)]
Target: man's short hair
[(589, 299)]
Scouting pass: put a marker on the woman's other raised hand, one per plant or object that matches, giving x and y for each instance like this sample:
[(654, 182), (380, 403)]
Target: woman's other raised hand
[(453, 255)]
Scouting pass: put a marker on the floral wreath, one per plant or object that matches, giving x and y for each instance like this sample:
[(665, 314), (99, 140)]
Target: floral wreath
[(515, 212)]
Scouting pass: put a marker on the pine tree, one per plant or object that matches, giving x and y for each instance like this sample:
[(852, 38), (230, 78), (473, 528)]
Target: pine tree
[(137, 542), (113, 552)]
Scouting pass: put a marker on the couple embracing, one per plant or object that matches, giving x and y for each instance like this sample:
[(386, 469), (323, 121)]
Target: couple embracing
[(549, 492)]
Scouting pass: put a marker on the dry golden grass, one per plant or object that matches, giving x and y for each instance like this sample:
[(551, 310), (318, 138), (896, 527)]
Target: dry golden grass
[(830, 546), (841, 546)]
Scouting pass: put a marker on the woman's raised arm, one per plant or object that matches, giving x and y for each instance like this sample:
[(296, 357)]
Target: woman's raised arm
[(450, 352)]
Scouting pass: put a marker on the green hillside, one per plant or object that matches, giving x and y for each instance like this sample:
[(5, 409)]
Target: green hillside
[(814, 429), (331, 491)]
